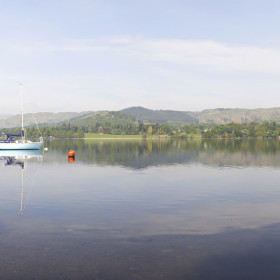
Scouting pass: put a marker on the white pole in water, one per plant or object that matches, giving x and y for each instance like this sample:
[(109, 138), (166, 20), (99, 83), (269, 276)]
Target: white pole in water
[(21, 103)]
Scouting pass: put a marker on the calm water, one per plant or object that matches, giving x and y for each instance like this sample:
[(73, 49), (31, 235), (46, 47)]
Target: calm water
[(142, 210)]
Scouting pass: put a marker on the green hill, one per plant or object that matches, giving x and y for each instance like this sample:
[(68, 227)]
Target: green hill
[(134, 114), (223, 116), (102, 118), (218, 116), (160, 116)]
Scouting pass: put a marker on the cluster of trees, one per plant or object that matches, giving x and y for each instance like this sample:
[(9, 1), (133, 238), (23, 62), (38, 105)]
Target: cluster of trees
[(231, 130), (67, 130), (245, 130), (46, 132)]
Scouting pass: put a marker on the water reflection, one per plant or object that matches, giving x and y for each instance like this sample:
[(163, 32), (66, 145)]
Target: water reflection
[(19, 158), (143, 210), (21, 154), (138, 154)]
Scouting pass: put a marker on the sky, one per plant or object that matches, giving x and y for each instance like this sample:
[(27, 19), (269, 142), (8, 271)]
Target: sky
[(81, 55)]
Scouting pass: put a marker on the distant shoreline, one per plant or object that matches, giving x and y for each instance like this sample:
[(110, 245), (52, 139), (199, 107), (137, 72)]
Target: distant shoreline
[(117, 136), (123, 138)]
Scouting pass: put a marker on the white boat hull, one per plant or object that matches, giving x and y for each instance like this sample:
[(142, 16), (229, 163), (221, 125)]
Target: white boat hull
[(21, 146)]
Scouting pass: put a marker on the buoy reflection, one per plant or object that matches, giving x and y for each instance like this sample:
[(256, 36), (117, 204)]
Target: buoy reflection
[(71, 159)]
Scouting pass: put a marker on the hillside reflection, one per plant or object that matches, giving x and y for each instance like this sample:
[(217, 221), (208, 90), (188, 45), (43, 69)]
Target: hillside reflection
[(139, 154)]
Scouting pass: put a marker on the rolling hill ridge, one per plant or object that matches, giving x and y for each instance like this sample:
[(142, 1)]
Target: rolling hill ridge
[(141, 114)]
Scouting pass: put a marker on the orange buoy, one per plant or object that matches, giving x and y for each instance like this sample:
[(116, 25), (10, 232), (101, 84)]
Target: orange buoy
[(71, 154)]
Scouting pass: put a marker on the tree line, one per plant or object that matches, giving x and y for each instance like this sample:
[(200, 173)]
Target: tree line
[(225, 131)]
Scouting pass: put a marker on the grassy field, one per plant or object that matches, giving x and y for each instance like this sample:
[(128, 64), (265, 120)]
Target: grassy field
[(110, 136)]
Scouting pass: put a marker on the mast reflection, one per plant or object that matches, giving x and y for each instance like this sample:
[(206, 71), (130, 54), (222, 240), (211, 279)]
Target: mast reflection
[(19, 158)]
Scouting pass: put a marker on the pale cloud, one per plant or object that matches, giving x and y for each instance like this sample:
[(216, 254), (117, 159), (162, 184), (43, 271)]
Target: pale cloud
[(205, 53), (219, 56), (120, 71)]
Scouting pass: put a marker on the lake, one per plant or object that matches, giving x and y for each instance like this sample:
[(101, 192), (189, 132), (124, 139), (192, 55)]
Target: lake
[(136, 209)]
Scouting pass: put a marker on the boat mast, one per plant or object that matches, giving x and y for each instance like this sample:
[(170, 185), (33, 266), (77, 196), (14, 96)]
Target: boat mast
[(21, 105)]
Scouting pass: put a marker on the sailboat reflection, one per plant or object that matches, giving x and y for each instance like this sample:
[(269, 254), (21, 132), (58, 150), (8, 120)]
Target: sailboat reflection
[(19, 158)]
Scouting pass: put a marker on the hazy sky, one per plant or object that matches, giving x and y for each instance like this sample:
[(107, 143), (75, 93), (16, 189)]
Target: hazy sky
[(107, 55)]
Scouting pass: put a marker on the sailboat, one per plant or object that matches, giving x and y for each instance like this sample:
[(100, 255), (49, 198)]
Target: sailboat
[(10, 143)]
